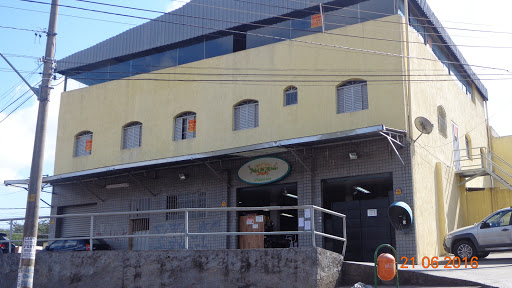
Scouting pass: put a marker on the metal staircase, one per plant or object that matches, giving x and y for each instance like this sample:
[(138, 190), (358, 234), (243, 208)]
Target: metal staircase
[(481, 161)]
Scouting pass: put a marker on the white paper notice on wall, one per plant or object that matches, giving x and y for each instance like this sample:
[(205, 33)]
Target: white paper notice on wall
[(259, 218), (301, 222), (29, 248), (254, 226), (307, 213), (372, 212), (307, 225), (250, 221)]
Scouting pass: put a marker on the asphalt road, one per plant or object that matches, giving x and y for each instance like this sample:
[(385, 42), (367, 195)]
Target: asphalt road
[(495, 270)]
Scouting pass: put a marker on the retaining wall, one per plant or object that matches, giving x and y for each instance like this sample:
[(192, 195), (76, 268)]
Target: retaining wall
[(294, 267)]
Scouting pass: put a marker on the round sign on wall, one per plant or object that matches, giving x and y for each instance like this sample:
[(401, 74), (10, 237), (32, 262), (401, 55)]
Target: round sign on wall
[(264, 170)]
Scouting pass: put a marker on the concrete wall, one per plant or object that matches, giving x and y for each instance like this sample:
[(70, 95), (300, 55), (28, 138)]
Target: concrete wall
[(105, 108), (295, 267), (435, 87)]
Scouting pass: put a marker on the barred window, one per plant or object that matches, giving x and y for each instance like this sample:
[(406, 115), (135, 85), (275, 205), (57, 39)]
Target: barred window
[(291, 96), (185, 126), (352, 96), (441, 121), (246, 115), (195, 200), (83, 144), (132, 134)]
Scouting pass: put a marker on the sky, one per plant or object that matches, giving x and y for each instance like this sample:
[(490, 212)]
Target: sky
[(469, 23)]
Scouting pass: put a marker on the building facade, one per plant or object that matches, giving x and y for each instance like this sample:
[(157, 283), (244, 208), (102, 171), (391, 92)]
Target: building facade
[(333, 88)]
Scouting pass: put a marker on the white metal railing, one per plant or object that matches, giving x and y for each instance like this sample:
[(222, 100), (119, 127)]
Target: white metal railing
[(187, 234)]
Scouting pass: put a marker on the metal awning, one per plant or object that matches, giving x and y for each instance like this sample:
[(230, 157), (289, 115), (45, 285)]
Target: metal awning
[(394, 136)]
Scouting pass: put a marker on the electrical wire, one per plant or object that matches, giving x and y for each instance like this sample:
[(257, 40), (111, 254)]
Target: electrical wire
[(68, 15), (248, 33), (10, 113), (274, 37)]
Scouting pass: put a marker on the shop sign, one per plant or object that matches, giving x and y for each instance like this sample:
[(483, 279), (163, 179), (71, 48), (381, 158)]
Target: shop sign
[(264, 170)]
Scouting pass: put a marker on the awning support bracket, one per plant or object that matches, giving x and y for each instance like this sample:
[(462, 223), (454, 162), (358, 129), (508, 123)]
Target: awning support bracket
[(217, 174), (141, 184), (301, 162), (90, 191), (391, 142)]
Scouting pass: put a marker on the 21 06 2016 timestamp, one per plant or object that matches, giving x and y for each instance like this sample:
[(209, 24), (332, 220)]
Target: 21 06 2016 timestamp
[(433, 262)]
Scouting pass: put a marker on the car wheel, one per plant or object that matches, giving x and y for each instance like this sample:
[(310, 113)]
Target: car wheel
[(465, 249), (482, 255)]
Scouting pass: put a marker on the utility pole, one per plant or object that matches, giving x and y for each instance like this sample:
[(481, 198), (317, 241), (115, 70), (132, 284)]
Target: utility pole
[(28, 253)]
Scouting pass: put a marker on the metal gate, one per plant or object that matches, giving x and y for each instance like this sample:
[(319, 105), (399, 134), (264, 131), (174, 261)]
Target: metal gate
[(76, 226), (140, 227), (367, 227)]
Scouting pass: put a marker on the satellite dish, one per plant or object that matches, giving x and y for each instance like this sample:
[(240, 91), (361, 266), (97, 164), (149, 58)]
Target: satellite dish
[(423, 125)]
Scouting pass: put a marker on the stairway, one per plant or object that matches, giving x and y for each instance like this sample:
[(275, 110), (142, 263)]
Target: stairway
[(481, 161)]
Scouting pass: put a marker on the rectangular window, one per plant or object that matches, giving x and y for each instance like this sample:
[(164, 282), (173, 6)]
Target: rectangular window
[(185, 127), (290, 97), (246, 116), (195, 200), (83, 145), (132, 136), (352, 98)]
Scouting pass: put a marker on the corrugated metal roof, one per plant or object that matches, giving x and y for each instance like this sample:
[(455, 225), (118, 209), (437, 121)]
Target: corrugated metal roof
[(196, 18), (200, 17)]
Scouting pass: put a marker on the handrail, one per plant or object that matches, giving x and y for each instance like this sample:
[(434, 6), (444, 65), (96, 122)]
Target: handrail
[(186, 234)]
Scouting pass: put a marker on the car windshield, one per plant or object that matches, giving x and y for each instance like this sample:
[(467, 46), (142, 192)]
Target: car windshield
[(501, 218), (98, 241)]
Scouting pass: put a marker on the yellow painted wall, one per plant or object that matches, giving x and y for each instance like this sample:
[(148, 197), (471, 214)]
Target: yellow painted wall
[(502, 147), (105, 108), (428, 91)]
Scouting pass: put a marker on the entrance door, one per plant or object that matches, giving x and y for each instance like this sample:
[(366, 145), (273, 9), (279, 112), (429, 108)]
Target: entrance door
[(274, 220), (364, 200), (456, 146)]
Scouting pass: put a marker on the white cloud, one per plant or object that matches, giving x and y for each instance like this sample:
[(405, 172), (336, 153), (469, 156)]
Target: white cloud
[(175, 4), (16, 145)]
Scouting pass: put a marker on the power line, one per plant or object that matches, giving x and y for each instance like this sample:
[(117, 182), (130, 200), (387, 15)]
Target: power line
[(67, 15), (267, 36), (24, 101)]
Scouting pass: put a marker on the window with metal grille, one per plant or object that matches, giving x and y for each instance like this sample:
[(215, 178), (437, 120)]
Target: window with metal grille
[(246, 115), (132, 134), (195, 200), (185, 126), (290, 96), (83, 144), (352, 96), (441, 121)]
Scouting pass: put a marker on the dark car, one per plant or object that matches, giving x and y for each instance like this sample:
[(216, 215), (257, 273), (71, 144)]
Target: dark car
[(77, 245), (4, 244)]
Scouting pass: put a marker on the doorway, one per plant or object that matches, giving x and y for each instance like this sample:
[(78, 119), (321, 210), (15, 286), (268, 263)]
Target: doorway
[(364, 200), (274, 220)]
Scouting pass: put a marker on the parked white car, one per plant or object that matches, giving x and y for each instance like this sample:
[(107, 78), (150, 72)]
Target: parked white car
[(492, 234)]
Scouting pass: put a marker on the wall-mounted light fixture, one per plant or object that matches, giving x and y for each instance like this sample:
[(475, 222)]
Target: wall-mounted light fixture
[(352, 156), (287, 215), (362, 190), (119, 185), (182, 176)]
